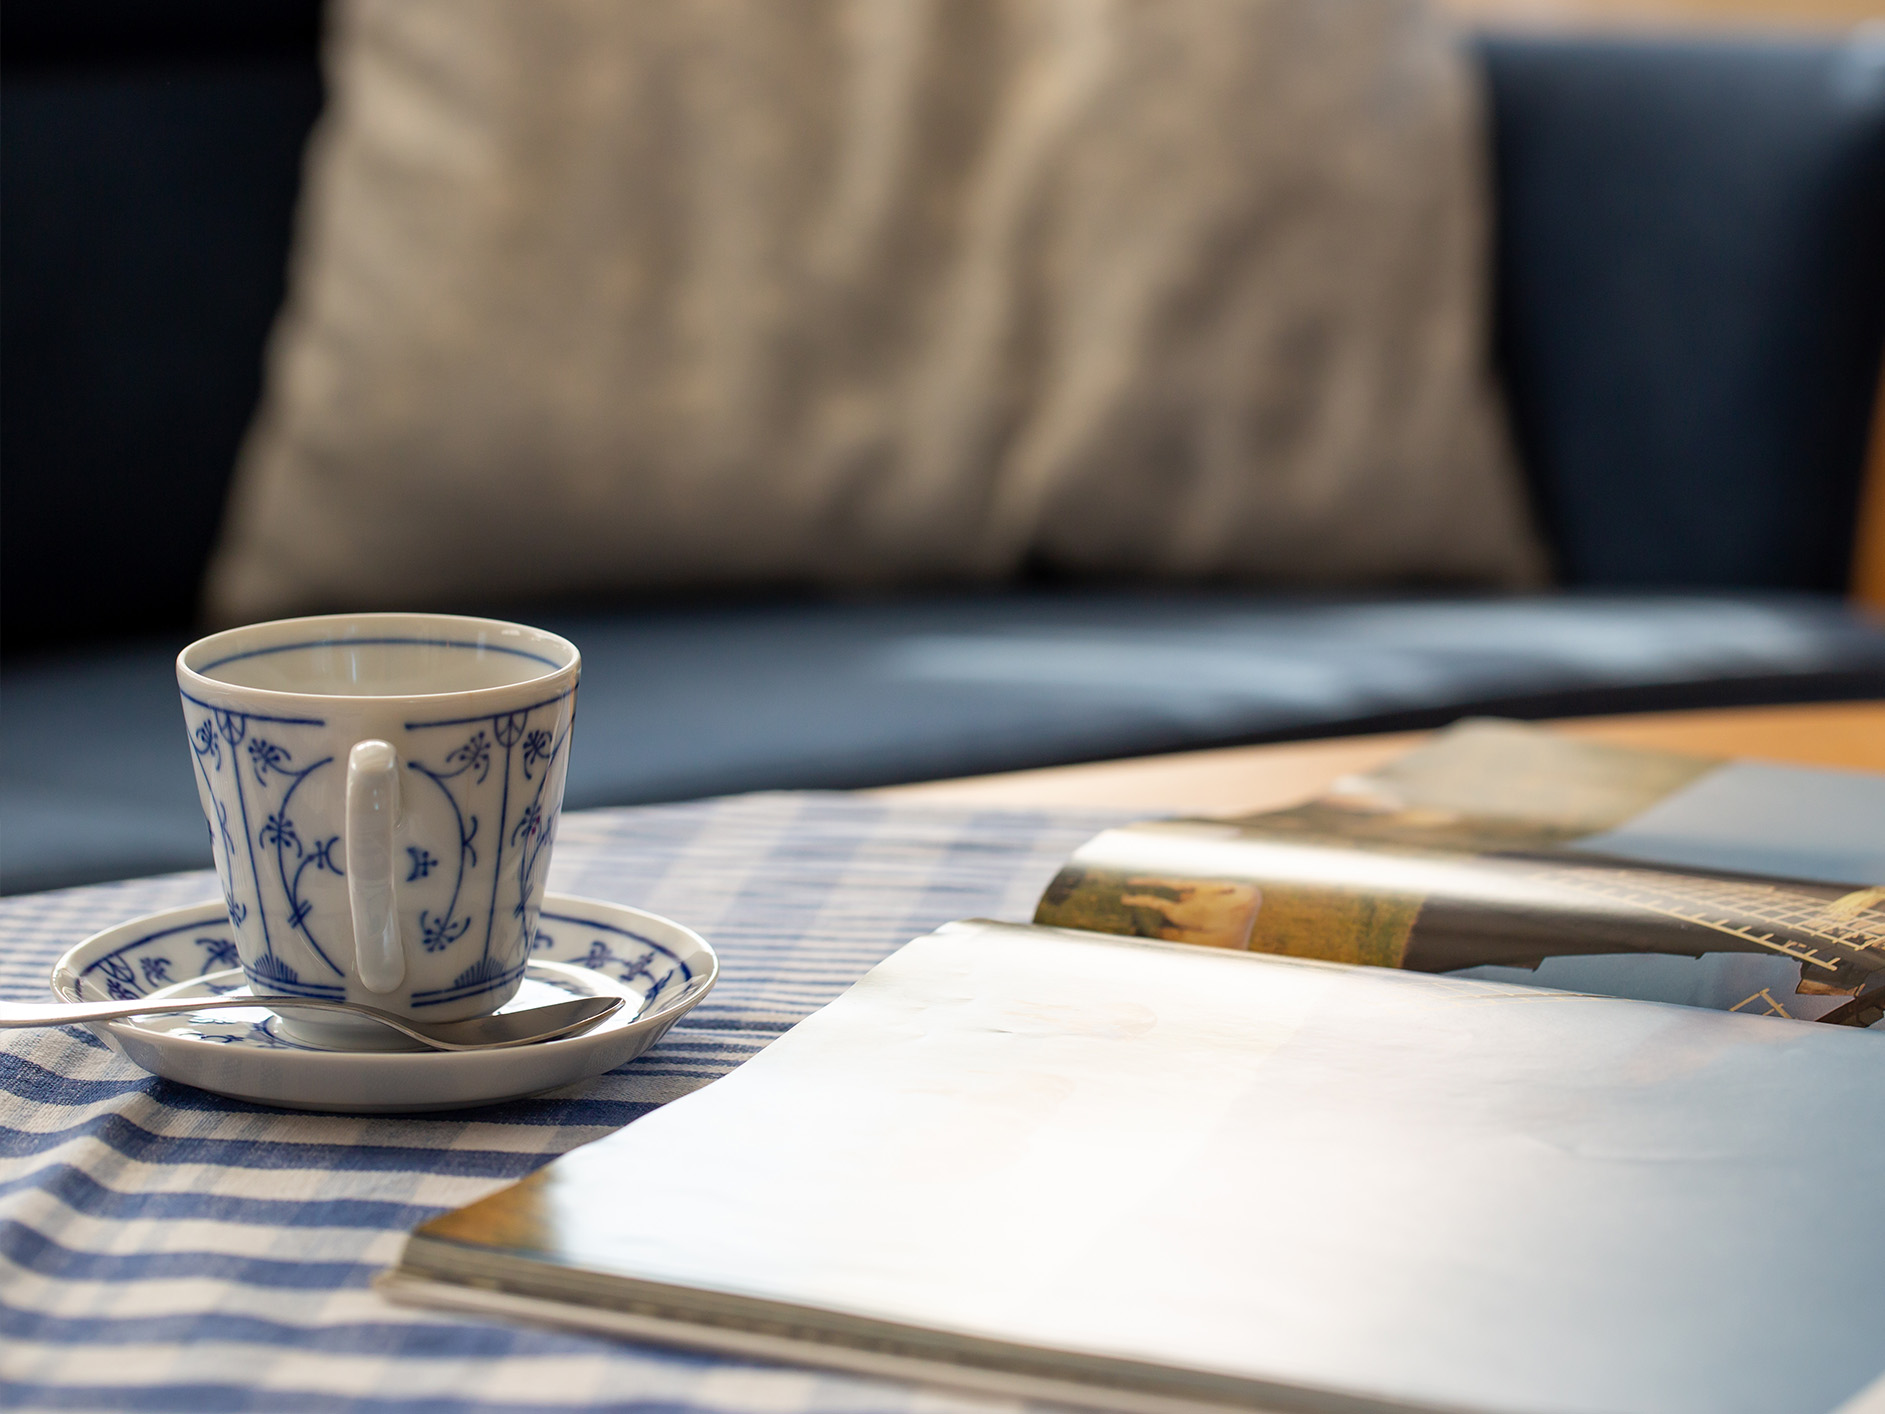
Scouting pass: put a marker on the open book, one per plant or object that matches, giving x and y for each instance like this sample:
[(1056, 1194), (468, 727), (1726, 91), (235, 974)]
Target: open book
[(1508, 853), (1138, 1174)]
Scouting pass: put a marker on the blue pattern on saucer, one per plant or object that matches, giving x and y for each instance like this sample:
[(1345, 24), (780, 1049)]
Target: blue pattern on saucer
[(205, 954)]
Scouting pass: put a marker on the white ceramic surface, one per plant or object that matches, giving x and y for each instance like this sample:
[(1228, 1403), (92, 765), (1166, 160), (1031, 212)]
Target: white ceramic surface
[(582, 947), (382, 793)]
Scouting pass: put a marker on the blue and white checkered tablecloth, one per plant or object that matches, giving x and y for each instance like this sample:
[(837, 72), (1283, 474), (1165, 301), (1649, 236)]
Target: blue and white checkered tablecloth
[(164, 1248)]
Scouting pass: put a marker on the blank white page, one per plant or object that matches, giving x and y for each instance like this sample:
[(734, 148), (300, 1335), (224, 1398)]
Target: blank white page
[(1397, 1185)]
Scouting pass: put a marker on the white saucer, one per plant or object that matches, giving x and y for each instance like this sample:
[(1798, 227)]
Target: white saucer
[(584, 947)]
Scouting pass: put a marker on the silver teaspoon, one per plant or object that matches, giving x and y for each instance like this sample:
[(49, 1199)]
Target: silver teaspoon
[(478, 1033)]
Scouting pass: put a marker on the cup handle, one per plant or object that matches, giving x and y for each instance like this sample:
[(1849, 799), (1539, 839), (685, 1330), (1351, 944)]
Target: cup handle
[(372, 805)]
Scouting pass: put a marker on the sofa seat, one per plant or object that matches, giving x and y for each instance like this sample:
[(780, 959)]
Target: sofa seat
[(95, 782)]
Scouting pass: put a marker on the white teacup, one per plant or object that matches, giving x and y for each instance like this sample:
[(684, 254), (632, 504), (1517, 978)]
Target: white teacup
[(381, 791)]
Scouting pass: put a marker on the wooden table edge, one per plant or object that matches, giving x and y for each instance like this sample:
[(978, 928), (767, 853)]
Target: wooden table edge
[(1238, 779)]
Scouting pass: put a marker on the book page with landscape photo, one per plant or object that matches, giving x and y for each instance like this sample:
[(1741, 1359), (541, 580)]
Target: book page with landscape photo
[(1507, 853)]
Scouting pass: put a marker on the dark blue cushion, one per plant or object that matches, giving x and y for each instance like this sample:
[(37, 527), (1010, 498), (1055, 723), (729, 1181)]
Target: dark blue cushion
[(95, 782), (1692, 298)]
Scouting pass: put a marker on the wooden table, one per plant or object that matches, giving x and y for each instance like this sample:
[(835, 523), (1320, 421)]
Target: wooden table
[(1240, 779)]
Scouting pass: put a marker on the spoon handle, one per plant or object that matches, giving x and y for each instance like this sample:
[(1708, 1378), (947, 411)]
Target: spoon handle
[(19, 1014), (478, 1033), (16, 1014)]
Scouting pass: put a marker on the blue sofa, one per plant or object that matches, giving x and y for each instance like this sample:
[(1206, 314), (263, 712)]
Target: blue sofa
[(1691, 311)]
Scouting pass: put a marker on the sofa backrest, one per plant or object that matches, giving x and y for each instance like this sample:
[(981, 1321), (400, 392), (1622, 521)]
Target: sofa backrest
[(1692, 298), (149, 158), (1692, 301)]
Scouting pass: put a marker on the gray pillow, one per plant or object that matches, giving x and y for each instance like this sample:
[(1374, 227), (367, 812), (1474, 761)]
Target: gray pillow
[(606, 294)]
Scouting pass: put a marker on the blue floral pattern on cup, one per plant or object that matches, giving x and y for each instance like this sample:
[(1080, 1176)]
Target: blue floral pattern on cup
[(271, 788), (250, 768), (514, 756)]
